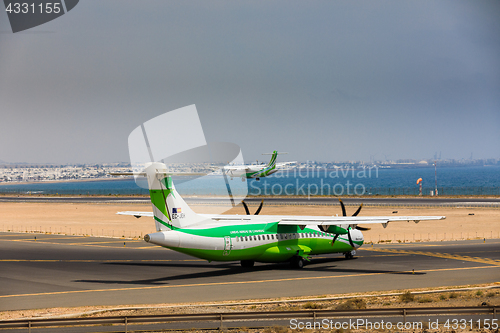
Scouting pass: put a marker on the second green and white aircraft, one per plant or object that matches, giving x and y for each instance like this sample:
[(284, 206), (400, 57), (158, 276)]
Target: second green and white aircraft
[(257, 171), (250, 238)]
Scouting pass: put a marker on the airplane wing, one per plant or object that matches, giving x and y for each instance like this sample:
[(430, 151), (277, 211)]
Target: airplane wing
[(339, 220), (136, 214), (307, 220), (284, 164), (231, 168)]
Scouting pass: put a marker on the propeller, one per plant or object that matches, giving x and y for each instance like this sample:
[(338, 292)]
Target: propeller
[(258, 209), (344, 213), (355, 214)]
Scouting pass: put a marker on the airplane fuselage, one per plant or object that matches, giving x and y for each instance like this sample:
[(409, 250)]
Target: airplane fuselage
[(254, 171), (262, 242)]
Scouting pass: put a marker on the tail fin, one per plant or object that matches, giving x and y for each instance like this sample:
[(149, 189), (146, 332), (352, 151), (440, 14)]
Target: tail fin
[(169, 209), (272, 162)]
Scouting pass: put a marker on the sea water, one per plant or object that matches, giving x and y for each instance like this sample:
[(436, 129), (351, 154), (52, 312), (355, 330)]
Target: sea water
[(305, 182)]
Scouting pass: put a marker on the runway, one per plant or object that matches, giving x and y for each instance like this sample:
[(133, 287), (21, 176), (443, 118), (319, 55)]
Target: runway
[(68, 271)]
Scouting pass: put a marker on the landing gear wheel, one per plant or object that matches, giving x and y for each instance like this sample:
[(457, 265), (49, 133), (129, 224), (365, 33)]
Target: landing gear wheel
[(348, 255), (297, 262), (247, 263)]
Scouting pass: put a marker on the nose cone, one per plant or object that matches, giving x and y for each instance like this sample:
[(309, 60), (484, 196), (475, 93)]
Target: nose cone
[(163, 238), (357, 237)]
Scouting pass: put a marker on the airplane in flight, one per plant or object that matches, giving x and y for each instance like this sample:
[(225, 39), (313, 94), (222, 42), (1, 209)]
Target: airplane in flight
[(256, 171), (249, 238)]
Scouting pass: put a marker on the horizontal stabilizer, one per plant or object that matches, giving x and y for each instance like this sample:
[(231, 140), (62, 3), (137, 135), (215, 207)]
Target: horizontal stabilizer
[(136, 214)]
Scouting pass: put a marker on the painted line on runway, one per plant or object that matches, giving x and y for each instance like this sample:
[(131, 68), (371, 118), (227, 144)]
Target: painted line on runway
[(446, 243), (116, 244), (441, 255), (102, 260), (243, 282)]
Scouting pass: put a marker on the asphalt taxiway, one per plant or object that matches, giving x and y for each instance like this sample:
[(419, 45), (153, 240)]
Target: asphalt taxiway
[(67, 271)]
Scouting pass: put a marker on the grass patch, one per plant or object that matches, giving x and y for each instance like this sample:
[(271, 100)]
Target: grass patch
[(490, 294), (407, 297), (425, 300), (313, 306), (352, 304), (479, 293), (453, 295)]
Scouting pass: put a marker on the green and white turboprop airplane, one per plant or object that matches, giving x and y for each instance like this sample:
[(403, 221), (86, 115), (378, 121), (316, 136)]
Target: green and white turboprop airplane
[(256, 171), (249, 238)]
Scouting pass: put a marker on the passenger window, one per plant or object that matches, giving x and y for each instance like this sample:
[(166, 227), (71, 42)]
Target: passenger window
[(258, 237), (246, 238)]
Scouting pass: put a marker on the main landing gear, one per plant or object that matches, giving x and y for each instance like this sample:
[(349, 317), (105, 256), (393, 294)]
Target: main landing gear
[(297, 262), (247, 263), (349, 255)]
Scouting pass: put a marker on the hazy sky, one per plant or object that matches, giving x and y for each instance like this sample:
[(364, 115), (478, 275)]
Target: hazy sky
[(322, 80)]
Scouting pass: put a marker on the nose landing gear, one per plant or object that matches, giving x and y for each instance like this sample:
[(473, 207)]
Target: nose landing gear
[(349, 255)]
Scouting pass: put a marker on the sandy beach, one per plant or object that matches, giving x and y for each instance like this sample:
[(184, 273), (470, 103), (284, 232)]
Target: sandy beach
[(100, 219)]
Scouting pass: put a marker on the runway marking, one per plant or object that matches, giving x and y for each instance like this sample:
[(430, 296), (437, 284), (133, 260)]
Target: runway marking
[(441, 255), (102, 260), (241, 282), (118, 243), (446, 243), (31, 236)]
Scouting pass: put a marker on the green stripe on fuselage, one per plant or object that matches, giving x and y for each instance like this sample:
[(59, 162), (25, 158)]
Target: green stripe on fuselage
[(273, 250), (277, 251)]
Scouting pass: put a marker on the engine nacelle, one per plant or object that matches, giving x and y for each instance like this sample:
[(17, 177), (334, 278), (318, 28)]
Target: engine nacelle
[(335, 229)]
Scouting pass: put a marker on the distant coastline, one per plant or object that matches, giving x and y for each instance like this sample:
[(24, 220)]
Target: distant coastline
[(308, 182), (62, 181)]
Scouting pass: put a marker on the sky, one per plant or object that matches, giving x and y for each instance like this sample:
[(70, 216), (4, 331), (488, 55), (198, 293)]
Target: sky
[(321, 80)]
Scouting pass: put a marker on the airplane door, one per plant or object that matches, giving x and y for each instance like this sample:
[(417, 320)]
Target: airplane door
[(227, 245)]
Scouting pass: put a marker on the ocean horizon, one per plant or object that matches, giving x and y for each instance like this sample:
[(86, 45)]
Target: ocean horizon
[(308, 182)]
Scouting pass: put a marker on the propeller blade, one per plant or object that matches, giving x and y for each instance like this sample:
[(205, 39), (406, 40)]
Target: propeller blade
[(335, 238), (349, 236), (260, 207), (343, 208), (246, 207), (362, 228), (357, 212)]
